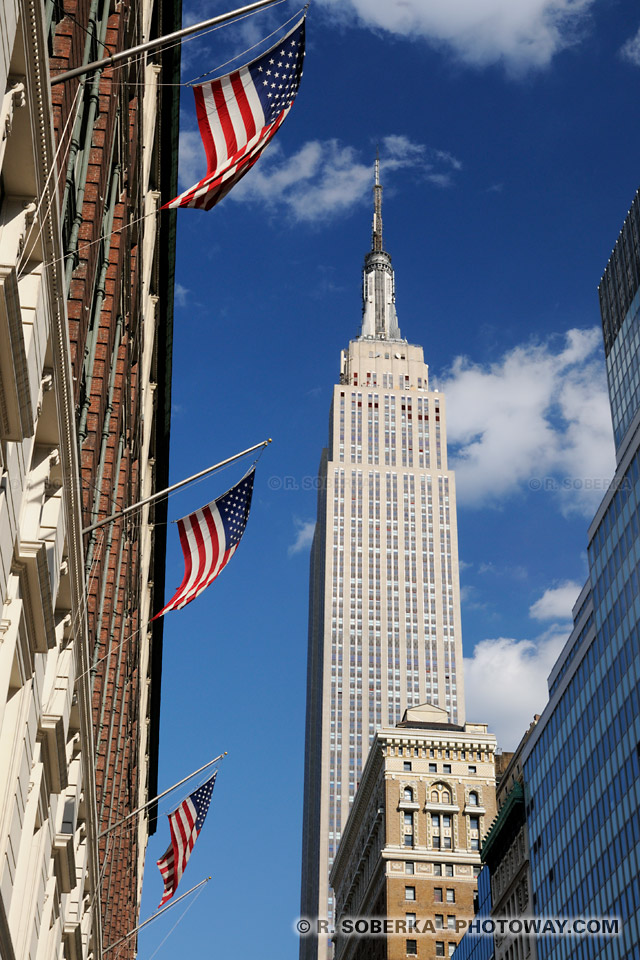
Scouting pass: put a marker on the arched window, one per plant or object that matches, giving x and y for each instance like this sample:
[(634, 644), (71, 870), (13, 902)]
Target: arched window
[(446, 796), (408, 794), (473, 799), (435, 796)]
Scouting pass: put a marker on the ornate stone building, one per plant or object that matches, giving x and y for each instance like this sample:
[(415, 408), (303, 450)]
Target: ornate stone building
[(410, 850), (86, 287)]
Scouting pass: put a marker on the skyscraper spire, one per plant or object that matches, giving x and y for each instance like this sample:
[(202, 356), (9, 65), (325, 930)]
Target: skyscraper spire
[(379, 318), (376, 244)]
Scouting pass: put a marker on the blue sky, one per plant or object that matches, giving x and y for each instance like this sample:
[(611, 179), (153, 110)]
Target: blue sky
[(509, 155)]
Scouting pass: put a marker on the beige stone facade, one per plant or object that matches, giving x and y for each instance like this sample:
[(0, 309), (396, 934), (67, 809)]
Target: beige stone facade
[(506, 853), (410, 848)]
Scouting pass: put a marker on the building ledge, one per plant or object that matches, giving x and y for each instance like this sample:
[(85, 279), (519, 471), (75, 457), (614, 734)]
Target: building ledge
[(514, 801)]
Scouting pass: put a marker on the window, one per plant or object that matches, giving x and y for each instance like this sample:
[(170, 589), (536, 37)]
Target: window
[(475, 843), (446, 768), (407, 766), (446, 820), (408, 819), (476, 870), (448, 869), (446, 844), (433, 768), (437, 894), (439, 921), (409, 867), (473, 799), (473, 768), (408, 839), (451, 922), (446, 796), (412, 948), (408, 794), (411, 921), (452, 947), (409, 893), (437, 869), (439, 948), (451, 896)]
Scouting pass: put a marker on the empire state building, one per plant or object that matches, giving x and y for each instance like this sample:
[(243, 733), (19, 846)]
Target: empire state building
[(384, 612)]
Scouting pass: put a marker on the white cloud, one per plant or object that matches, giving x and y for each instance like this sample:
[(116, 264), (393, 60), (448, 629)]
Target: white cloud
[(326, 178), (192, 164), (506, 682), (556, 603), (304, 536), (631, 50), (180, 294), (538, 419), (521, 34)]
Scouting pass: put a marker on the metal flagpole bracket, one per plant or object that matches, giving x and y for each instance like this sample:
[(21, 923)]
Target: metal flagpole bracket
[(159, 42), (174, 486)]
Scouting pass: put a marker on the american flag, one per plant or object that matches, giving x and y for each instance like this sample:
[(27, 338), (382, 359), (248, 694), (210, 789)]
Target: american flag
[(209, 538), (238, 114), (185, 824)]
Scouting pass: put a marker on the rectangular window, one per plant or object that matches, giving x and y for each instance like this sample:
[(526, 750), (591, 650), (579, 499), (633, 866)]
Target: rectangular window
[(409, 893), (411, 921), (408, 840), (407, 765), (439, 921), (433, 768), (451, 923), (472, 768), (412, 948), (446, 768), (439, 948), (409, 867), (448, 869), (437, 869), (446, 843), (451, 896), (437, 894)]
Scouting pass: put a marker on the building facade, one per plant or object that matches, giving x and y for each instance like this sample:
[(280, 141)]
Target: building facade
[(410, 850), (384, 622), (582, 762), (505, 853), (86, 277)]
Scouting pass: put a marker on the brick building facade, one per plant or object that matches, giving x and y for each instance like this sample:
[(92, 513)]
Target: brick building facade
[(86, 270)]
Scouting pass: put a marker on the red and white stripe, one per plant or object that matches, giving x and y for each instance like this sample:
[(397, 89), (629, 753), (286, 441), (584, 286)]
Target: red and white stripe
[(203, 544), (182, 823)]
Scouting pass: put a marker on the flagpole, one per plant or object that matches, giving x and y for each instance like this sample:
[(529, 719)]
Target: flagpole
[(160, 796), (175, 486), (154, 917), (159, 42)]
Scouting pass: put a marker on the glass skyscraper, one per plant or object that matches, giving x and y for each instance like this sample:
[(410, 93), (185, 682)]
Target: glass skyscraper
[(384, 621), (582, 763)]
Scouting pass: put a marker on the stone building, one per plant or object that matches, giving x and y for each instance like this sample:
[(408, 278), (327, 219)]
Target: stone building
[(86, 288), (410, 850)]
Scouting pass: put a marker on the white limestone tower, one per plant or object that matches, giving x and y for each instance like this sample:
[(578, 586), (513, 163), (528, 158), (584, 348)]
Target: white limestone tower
[(384, 609)]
